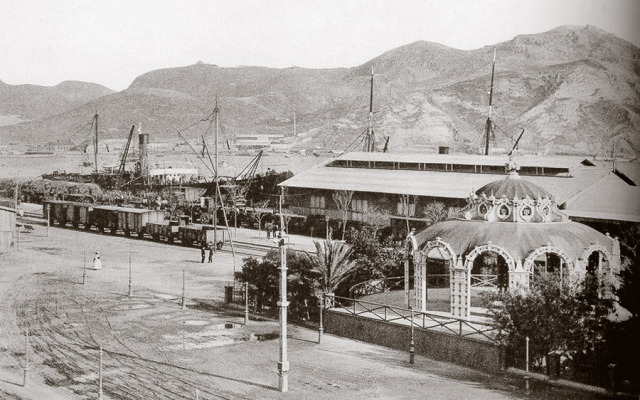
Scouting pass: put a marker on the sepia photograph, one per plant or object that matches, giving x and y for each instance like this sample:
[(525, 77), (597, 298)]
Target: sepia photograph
[(319, 199)]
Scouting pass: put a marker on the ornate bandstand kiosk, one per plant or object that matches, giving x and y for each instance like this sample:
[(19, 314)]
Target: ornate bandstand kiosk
[(510, 232)]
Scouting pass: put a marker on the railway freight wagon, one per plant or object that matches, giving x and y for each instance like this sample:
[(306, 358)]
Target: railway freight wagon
[(65, 212), (104, 217), (196, 235), (166, 230), (135, 220)]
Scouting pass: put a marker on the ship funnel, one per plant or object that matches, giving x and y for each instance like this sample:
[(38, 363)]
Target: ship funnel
[(143, 152)]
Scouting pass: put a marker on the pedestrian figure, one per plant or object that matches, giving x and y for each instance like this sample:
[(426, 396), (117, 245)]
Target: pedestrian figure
[(268, 227), (203, 252), (97, 264), (211, 253)]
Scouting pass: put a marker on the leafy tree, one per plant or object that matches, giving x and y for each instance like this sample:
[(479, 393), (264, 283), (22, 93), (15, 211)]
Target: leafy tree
[(555, 315), (263, 277), (374, 258)]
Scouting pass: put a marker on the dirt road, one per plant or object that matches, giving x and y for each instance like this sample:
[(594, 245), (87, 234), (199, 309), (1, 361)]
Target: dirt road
[(152, 348)]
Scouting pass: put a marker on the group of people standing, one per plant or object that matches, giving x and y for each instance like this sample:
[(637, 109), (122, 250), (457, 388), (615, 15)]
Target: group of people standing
[(272, 230), (203, 252)]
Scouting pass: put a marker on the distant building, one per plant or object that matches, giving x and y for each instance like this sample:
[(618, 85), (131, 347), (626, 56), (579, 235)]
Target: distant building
[(259, 142)]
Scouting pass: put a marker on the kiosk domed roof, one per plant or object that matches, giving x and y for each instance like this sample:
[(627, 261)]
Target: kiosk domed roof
[(511, 187), (464, 236)]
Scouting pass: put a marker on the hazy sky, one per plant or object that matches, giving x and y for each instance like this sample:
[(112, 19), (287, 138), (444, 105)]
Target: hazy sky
[(110, 42)]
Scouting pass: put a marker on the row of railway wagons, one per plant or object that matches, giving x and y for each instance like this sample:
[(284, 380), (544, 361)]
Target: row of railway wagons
[(129, 221)]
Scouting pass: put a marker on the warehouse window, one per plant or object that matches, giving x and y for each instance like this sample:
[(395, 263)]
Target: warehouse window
[(360, 206), (401, 211), (317, 202)]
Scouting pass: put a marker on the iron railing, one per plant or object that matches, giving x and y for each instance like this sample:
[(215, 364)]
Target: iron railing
[(484, 280), (425, 320)]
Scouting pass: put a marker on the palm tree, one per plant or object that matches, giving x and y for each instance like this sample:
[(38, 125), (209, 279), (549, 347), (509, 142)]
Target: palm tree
[(331, 262)]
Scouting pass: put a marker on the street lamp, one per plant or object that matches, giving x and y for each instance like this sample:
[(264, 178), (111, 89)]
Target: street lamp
[(283, 364)]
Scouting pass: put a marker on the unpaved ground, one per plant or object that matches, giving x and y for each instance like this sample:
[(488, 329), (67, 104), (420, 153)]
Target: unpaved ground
[(153, 349)]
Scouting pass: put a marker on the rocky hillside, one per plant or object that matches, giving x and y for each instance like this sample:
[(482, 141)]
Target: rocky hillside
[(573, 89), (26, 103)]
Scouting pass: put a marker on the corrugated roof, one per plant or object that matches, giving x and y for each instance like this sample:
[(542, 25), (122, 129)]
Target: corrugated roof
[(609, 198), (466, 159), (631, 170), (431, 183)]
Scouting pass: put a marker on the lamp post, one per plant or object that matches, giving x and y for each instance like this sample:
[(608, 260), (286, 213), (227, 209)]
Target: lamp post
[(246, 303), (320, 326), (412, 343), (283, 364), (526, 375)]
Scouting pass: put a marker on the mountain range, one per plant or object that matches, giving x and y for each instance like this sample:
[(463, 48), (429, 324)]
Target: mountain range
[(572, 90)]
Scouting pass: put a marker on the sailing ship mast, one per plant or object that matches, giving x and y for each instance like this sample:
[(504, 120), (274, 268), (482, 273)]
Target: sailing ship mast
[(95, 142), (488, 125), (216, 178), (370, 142)]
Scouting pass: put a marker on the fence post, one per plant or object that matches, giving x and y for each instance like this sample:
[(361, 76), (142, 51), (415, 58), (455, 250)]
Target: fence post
[(84, 265), (460, 327)]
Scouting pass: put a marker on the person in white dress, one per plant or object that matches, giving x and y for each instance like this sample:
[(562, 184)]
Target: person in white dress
[(97, 263)]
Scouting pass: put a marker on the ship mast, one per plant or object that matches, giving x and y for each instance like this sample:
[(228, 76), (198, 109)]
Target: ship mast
[(216, 178), (95, 143), (487, 127), (370, 142)]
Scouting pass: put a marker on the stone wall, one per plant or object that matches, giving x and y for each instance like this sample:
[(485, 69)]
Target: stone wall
[(469, 352)]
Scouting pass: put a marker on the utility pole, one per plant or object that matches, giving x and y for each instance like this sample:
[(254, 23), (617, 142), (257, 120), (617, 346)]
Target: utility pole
[(100, 376), (84, 265), (25, 375), (184, 304), (283, 364)]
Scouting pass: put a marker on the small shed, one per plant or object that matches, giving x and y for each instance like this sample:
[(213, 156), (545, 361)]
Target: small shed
[(7, 229)]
